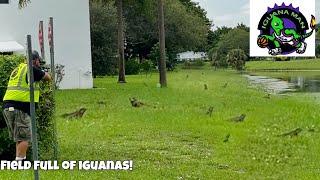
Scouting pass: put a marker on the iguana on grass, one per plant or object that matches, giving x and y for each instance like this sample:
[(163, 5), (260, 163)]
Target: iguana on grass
[(77, 114), (135, 103), (292, 133), (238, 118)]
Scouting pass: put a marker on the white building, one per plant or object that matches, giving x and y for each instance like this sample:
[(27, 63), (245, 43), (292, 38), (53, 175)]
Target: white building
[(191, 56), (71, 35)]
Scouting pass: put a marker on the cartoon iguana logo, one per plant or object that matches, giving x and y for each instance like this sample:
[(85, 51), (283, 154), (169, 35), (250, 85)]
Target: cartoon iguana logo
[(283, 30)]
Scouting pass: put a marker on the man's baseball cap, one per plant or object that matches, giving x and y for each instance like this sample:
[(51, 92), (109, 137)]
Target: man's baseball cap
[(35, 55)]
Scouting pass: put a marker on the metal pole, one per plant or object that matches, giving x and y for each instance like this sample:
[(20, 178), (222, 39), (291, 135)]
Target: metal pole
[(32, 107), (41, 39), (51, 44), (52, 52)]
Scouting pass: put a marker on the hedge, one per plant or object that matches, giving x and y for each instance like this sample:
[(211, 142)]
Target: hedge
[(44, 119)]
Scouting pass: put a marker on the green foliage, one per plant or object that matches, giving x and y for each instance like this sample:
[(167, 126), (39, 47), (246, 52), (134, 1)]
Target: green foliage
[(198, 63), (281, 58), (234, 39), (236, 58), (185, 29), (45, 122), (318, 33), (103, 38), (155, 54), (141, 27), (318, 50), (170, 57), (132, 67), (215, 36), (7, 64), (243, 27), (44, 113), (146, 66), (196, 9)]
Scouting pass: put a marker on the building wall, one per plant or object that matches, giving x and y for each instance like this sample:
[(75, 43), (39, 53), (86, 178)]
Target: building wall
[(190, 55), (71, 34)]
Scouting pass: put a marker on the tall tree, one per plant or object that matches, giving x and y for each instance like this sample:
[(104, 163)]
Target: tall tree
[(141, 22), (103, 27), (163, 78), (121, 78), (234, 39)]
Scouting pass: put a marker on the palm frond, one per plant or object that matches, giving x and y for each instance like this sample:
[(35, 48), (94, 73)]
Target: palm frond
[(23, 3)]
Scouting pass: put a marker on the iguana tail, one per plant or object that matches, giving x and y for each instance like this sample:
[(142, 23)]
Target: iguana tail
[(304, 36), (313, 22), (312, 26)]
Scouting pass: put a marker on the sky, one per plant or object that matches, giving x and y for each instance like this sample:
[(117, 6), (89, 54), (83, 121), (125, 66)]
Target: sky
[(231, 12)]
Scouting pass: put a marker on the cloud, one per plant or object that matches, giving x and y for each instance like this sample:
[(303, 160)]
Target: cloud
[(233, 19), (245, 9)]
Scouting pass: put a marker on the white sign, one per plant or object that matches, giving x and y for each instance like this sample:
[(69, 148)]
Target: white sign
[(282, 28)]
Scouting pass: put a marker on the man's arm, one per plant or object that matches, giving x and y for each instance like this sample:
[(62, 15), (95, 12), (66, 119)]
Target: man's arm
[(40, 75), (46, 77)]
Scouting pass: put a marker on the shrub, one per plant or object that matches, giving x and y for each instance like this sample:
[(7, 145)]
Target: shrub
[(236, 58), (193, 64), (146, 66), (318, 50), (132, 67), (45, 123), (7, 64), (103, 28), (282, 58), (237, 38)]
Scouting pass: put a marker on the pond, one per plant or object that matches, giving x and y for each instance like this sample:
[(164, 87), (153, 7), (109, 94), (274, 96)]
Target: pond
[(286, 81)]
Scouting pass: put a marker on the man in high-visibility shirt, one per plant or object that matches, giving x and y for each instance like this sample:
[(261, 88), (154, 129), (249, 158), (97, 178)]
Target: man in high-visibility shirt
[(17, 103)]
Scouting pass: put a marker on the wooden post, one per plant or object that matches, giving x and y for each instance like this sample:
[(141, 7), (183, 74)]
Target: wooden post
[(32, 107)]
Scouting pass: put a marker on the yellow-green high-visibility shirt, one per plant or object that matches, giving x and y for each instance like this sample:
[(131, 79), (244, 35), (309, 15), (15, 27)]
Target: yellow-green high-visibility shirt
[(18, 89)]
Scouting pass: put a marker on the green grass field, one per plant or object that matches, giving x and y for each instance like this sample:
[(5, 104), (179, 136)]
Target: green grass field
[(172, 137), (311, 64)]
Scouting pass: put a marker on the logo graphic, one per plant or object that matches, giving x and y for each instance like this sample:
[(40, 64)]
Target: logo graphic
[(283, 29)]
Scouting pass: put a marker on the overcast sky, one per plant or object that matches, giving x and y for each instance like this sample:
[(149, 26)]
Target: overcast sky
[(231, 12)]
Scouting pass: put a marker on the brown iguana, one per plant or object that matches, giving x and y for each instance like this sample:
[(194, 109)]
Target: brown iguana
[(77, 114), (292, 133)]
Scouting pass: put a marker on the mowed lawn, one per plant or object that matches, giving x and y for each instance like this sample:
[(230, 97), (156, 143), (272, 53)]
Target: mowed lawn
[(296, 64), (173, 137)]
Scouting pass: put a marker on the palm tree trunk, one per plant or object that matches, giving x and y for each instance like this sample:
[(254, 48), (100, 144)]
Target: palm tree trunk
[(163, 78), (121, 78)]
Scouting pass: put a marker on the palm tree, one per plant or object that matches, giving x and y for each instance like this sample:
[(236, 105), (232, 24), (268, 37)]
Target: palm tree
[(121, 78), (163, 78), (23, 3)]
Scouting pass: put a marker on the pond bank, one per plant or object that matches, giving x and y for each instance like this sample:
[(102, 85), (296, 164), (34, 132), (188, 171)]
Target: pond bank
[(301, 65), (286, 81)]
